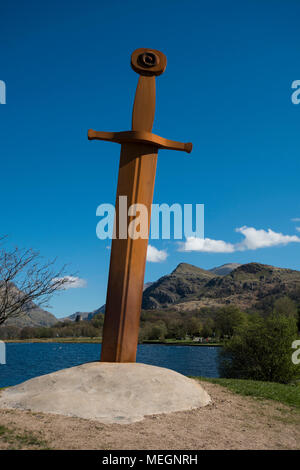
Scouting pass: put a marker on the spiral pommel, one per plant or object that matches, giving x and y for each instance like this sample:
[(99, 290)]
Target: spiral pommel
[(148, 62)]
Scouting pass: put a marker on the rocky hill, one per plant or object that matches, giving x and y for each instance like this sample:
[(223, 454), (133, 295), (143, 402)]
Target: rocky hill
[(90, 315), (85, 315), (32, 316), (184, 282), (189, 287), (224, 269)]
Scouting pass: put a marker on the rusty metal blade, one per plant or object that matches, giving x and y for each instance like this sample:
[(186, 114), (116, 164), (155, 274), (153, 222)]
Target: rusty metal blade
[(128, 257)]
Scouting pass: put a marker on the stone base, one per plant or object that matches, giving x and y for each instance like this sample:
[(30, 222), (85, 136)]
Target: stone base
[(107, 392)]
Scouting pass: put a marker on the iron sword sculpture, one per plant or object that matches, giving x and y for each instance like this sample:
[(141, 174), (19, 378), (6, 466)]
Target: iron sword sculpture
[(139, 149)]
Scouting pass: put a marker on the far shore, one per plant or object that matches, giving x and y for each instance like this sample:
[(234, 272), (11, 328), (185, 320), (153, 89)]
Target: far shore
[(99, 341)]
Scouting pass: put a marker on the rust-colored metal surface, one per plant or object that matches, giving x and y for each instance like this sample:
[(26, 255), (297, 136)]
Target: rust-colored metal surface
[(139, 148)]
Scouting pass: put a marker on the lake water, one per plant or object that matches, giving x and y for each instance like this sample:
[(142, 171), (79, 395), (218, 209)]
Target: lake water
[(27, 360)]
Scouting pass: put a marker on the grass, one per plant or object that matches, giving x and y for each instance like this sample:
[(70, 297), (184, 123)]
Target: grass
[(287, 394), (17, 440)]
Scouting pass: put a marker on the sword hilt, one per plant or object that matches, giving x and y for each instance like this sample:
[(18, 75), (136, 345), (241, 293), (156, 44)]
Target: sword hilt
[(148, 63)]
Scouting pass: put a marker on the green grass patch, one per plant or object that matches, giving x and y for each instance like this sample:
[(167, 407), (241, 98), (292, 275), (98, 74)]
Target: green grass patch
[(287, 394), (18, 440), (4, 431)]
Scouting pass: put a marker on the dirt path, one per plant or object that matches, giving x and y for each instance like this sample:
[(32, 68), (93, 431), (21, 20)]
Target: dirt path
[(230, 422)]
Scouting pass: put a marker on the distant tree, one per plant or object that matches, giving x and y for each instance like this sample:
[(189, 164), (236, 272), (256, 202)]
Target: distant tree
[(9, 332), (285, 306), (193, 326), (24, 279), (175, 329), (158, 331), (228, 319), (43, 332), (261, 350), (208, 328), (98, 321), (27, 333)]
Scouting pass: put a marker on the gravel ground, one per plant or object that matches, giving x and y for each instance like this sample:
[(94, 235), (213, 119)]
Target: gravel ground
[(230, 422)]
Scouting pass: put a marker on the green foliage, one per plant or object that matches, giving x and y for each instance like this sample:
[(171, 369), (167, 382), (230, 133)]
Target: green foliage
[(16, 440), (62, 329), (208, 328), (176, 325), (193, 327), (287, 394), (261, 350), (98, 321), (229, 319), (285, 306)]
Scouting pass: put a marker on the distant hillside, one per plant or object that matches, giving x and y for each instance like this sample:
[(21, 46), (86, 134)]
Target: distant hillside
[(190, 288), (32, 316), (90, 315), (85, 315), (224, 269), (183, 282)]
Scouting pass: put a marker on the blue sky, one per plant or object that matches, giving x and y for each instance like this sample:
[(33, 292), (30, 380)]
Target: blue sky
[(227, 89)]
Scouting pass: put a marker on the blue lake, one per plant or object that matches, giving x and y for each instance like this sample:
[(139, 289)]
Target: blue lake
[(27, 360)]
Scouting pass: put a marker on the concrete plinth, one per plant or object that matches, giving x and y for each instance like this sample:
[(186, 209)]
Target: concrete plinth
[(107, 392)]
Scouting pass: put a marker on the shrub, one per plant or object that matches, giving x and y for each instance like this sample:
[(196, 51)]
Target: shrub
[(261, 350)]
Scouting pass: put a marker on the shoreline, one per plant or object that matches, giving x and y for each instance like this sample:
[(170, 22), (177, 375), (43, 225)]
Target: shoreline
[(99, 341)]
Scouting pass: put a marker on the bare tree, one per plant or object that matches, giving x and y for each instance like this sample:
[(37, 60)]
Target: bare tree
[(25, 280)]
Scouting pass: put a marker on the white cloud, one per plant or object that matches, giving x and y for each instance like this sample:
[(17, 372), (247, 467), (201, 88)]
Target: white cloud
[(262, 238), (206, 245), (298, 229), (71, 282), (253, 239), (156, 256), (296, 219)]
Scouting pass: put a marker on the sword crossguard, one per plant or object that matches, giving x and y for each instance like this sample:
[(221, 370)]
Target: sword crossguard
[(140, 137)]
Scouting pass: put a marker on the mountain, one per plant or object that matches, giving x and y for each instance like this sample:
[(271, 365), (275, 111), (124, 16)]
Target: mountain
[(84, 315), (224, 269), (32, 315), (190, 288), (90, 315), (183, 282)]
